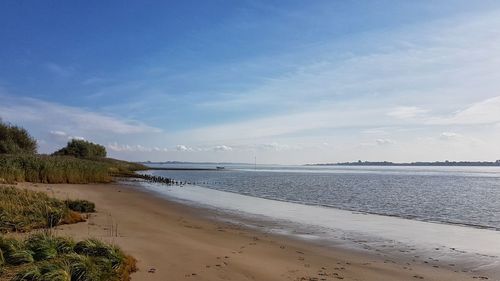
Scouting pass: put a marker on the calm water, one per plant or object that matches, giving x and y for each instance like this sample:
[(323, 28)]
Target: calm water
[(457, 195)]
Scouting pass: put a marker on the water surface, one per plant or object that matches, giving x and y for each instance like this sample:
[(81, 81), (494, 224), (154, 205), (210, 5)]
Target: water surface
[(452, 195)]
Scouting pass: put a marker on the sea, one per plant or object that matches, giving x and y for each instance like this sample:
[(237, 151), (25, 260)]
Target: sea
[(450, 211)]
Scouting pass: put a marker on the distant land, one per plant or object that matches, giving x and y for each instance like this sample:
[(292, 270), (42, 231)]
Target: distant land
[(357, 163), (184, 162), (387, 163)]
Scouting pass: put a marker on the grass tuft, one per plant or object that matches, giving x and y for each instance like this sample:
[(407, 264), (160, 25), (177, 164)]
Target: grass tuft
[(23, 210), (61, 259), (81, 206)]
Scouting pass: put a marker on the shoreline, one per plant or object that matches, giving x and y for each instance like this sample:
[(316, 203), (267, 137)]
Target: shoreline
[(173, 241), (376, 233), (413, 218)]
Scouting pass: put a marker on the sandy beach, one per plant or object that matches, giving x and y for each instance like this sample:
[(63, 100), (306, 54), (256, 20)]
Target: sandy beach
[(176, 242)]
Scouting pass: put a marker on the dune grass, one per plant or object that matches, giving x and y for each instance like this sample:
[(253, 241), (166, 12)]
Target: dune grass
[(25, 210), (43, 257), (62, 169)]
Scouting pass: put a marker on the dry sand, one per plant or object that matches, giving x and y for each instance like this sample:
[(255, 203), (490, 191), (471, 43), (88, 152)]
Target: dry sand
[(176, 242)]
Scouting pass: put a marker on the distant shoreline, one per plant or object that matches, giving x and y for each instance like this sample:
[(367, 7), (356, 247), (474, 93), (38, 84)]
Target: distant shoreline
[(415, 164), (358, 163)]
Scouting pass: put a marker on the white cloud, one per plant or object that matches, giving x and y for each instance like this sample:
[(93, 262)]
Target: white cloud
[(222, 148), (133, 148), (277, 146), (378, 142), (406, 112), (59, 134), (181, 147), (449, 136), (483, 112), (384, 141)]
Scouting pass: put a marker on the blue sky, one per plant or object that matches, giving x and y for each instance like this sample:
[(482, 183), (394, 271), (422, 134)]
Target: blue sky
[(286, 81)]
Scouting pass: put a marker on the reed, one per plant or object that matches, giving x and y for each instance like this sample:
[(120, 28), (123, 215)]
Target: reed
[(62, 169)]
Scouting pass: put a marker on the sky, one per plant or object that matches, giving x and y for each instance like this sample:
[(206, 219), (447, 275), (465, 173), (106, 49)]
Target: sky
[(286, 82)]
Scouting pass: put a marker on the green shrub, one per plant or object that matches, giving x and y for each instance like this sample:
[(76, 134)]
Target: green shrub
[(15, 140), (82, 149), (81, 206)]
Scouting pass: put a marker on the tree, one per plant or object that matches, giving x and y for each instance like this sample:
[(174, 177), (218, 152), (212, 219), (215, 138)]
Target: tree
[(15, 140), (82, 149)]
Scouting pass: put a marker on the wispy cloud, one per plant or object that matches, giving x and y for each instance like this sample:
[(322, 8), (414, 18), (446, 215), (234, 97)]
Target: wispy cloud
[(412, 92), (60, 123), (384, 141), (55, 116), (59, 70), (406, 112), (482, 112), (133, 148)]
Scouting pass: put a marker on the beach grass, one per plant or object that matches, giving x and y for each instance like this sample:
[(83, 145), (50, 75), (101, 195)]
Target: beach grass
[(24, 210), (43, 257), (62, 169), (81, 206)]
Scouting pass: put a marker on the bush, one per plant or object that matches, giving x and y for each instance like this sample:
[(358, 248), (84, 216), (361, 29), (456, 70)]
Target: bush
[(82, 149), (15, 140)]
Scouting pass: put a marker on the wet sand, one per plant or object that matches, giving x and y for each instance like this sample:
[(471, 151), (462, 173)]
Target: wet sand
[(176, 242)]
